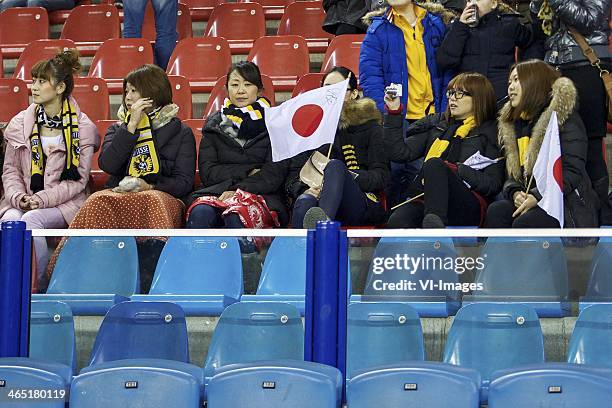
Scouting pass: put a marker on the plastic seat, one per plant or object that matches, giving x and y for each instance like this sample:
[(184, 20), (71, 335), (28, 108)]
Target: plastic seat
[(155, 330), (532, 271), (273, 9), (36, 51), (61, 370), (201, 274), (295, 384), (196, 127), (98, 177), (135, 387), (219, 93), (418, 384), (52, 335), (94, 273), (19, 374), (13, 98), (428, 301), (307, 82), (200, 10), (381, 334), (250, 332), (20, 26), (240, 23), (91, 25), (591, 341), (92, 96), (599, 288), (343, 51), (183, 22), (305, 18), (283, 58), (181, 95), (201, 60)]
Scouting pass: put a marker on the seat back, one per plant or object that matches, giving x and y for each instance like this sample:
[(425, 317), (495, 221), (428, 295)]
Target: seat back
[(36, 51), (117, 57), (99, 177), (22, 25), (219, 93), (181, 95), (52, 333), (237, 21), (343, 51), (92, 96), (600, 280), (13, 98), (281, 55), (102, 265), (207, 57), (304, 18), (248, 332), (307, 82), (96, 22), (18, 378), (591, 341), (284, 269), (494, 336), (142, 330)]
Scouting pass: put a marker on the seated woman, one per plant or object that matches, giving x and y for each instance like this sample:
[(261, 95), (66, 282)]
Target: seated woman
[(150, 157), (241, 186), (357, 172), (454, 190), (536, 90), (49, 149)]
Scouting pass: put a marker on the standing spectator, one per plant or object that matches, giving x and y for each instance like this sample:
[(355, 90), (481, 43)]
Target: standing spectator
[(344, 16), (50, 5), (165, 25)]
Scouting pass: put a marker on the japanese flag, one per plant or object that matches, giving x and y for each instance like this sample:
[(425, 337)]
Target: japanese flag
[(548, 172), (305, 122)]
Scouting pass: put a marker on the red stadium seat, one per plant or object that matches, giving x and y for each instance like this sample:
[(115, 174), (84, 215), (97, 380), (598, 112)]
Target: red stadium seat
[(283, 58), (305, 18), (201, 60), (273, 9), (241, 24), (1, 65), (13, 98), (307, 83), (91, 25), (21, 25), (343, 51), (60, 16), (117, 57), (200, 10), (183, 22), (181, 95), (196, 128), (36, 51), (219, 93), (98, 178), (92, 96)]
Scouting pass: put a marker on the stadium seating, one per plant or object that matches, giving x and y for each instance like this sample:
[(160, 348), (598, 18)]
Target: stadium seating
[(591, 341), (599, 288), (22, 375), (343, 51), (20, 26), (52, 336), (200, 10), (91, 95), (240, 23), (305, 18), (13, 98), (183, 22), (94, 273), (181, 95), (307, 82), (283, 58), (219, 93), (273, 9), (202, 275), (381, 334), (36, 51), (90, 25)]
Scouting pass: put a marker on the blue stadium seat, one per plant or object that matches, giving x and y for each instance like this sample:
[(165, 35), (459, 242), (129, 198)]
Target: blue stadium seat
[(94, 273), (527, 270), (248, 332), (398, 252), (201, 274), (61, 370), (142, 330), (382, 333), (494, 336), (591, 341), (551, 385), (18, 374), (599, 289), (283, 276), (135, 387), (52, 333), (418, 384), (283, 383)]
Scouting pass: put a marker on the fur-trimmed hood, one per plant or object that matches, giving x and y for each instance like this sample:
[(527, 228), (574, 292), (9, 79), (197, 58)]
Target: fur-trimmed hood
[(359, 111), (564, 97), (445, 14)]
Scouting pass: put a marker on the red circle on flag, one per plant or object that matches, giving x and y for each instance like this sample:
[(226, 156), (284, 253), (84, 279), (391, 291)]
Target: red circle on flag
[(307, 119), (558, 173)]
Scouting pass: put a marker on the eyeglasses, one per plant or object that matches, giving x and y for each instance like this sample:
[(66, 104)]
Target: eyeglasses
[(457, 93)]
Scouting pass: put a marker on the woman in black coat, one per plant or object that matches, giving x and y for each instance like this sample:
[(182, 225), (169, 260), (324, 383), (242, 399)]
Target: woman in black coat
[(454, 193)]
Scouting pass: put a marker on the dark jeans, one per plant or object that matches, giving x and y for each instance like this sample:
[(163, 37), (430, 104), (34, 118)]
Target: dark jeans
[(50, 5), (445, 196), (341, 198), (206, 216), (402, 176), (499, 215)]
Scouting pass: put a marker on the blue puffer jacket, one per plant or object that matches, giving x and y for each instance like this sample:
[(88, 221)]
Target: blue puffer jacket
[(383, 55)]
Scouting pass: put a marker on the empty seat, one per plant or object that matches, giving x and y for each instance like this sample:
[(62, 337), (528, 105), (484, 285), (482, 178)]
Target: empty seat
[(283, 58), (20, 26), (249, 332), (91, 25), (183, 22), (181, 95), (19, 377), (273, 9), (36, 51), (201, 60), (13, 98), (381, 334), (591, 341), (94, 273), (418, 384), (202, 274), (240, 23), (219, 93), (135, 387), (92, 96), (305, 18), (527, 270), (62, 370), (599, 288), (307, 82), (295, 384), (343, 51), (200, 10), (52, 335)]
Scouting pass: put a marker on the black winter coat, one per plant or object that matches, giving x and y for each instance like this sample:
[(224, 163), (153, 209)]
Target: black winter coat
[(225, 165), (344, 12), (487, 49), (176, 151)]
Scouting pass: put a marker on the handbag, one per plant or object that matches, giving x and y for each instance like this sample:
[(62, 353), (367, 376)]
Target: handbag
[(590, 54), (311, 173)]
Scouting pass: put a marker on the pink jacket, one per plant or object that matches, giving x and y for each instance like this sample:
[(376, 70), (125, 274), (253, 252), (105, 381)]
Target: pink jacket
[(68, 195)]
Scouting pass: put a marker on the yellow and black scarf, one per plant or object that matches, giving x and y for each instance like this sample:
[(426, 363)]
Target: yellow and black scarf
[(68, 123), (247, 120), (439, 146), (144, 161), (545, 15)]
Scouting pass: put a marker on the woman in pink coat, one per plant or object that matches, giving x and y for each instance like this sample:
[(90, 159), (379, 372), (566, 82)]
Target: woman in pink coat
[(49, 149)]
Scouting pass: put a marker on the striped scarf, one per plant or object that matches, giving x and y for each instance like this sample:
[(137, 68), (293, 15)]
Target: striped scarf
[(68, 123), (545, 14), (144, 160), (439, 146), (247, 120)]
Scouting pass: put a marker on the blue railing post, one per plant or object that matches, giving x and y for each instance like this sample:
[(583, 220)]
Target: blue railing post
[(15, 277)]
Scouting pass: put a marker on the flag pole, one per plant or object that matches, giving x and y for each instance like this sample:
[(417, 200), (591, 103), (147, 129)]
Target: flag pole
[(529, 184), (407, 201)]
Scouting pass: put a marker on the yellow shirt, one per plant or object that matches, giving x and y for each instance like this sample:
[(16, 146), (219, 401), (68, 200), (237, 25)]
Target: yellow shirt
[(420, 93)]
